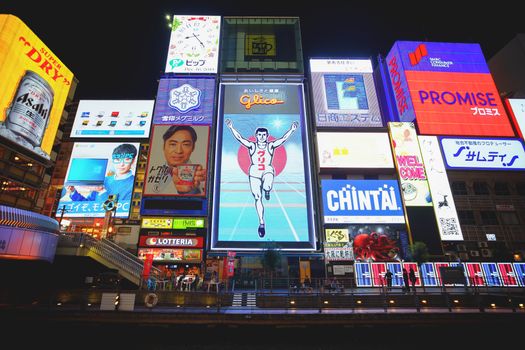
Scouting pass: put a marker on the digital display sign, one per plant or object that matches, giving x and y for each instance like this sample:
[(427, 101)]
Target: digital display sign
[(97, 171), (194, 44), (35, 85), (344, 93), (345, 150), (171, 241), (442, 199), (516, 107), (483, 154), (262, 189), (410, 164), (162, 223), (177, 162), (362, 201), (185, 101), (113, 119), (447, 89), (174, 255)]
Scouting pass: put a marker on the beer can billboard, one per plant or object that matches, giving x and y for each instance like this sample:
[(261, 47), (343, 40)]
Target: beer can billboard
[(34, 89)]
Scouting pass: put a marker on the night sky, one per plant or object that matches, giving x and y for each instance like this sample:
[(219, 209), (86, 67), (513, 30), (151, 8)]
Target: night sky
[(119, 52)]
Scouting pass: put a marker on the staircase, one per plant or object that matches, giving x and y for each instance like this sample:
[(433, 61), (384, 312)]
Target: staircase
[(105, 252), (244, 300)]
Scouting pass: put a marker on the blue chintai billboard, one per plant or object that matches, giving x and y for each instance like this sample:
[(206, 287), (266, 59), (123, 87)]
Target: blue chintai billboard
[(362, 202), (262, 183)]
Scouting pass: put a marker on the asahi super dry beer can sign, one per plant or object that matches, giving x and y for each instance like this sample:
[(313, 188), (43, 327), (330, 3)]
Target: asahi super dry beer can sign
[(34, 89)]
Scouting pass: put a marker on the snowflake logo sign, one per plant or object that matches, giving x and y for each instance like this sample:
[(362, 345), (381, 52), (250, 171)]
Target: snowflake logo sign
[(185, 98)]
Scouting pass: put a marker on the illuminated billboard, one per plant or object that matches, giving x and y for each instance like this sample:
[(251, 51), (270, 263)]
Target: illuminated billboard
[(344, 93), (409, 164), (96, 171), (171, 241), (177, 162), (185, 101), (345, 150), (113, 119), (174, 255), (483, 154), (35, 85), (517, 112), (362, 202), (262, 189), (442, 200), (447, 89), (194, 44)]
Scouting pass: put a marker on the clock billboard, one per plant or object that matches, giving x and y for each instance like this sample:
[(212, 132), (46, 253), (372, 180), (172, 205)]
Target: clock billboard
[(194, 44)]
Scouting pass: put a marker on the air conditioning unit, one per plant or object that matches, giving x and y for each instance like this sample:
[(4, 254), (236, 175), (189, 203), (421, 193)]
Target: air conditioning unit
[(461, 248), (483, 244), (474, 253), (463, 256), (486, 253)]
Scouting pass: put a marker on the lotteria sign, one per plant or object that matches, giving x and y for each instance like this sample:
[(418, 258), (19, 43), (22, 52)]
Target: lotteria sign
[(447, 89), (362, 201), (171, 241)]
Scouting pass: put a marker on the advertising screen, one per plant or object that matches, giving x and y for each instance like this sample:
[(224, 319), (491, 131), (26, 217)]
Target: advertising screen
[(113, 119), (344, 93), (520, 273), (516, 108), (345, 150), (410, 164), (508, 275), (362, 201), (170, 241), (168, 254), (483, 154), (491, 272), (475, 274), (428, 273), (444, 207), (34, 88), (185, 101), (363, 277), (96, 171), (447, 89), (262, 189), (177, 162), (194, 44)]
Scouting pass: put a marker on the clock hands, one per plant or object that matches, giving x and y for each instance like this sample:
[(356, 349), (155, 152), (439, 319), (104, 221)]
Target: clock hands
[(195, 36)]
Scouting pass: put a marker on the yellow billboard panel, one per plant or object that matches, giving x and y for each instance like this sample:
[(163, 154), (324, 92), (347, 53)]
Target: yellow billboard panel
[(260, 45), (337, 235), (35, 85), (162, 223)]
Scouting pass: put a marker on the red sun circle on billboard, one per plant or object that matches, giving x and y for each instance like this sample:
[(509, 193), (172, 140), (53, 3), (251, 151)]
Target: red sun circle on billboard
[(278, 162)]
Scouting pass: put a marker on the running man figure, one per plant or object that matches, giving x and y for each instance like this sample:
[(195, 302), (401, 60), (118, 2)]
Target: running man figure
[(261, 172)]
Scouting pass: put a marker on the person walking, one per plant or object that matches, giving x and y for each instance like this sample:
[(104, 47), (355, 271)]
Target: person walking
[(388, 276), (412, 277), (405, 280)]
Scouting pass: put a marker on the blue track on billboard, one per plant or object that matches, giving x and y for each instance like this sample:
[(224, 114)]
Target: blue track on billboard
[(362, 201)]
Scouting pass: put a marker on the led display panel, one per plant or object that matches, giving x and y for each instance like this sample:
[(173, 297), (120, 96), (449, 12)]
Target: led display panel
[(444, 207), (363, 277), (194, 44), (345, 150), (35, 85), (96, 172), (113, 119), (177, 162), (185, 101), (508, 276), (262, 189), (447, 89), (483, 154), (344, 93), (361, 201), (409, 164)]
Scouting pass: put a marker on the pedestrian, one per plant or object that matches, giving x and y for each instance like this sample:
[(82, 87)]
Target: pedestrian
[(405, 280), (412, 277), (388, 276)]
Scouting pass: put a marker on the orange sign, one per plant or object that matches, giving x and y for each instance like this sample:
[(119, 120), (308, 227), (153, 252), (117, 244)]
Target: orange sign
[(248, 101)]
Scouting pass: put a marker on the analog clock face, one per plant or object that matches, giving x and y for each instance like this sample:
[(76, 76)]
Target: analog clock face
[(194, 44)]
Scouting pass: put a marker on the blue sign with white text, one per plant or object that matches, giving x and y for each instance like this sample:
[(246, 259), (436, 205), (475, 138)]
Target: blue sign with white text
[(362, 201)]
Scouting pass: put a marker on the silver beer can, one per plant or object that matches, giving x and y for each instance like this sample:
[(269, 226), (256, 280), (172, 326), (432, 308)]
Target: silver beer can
[(28, 114)]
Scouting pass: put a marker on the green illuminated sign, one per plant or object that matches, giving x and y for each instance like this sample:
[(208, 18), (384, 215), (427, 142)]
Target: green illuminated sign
[(186, 223)]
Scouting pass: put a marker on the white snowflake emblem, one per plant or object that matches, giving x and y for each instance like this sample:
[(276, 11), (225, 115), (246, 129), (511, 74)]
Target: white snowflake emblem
[(185, 98)]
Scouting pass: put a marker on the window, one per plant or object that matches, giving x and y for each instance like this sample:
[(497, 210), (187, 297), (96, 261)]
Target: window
[(489, 217), (501, 188), (459, 188), (509, 218), (520, 188), (466, 217), (481, 188)]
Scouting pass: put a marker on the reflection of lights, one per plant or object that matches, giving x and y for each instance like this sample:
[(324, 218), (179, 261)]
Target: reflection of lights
[(277, 123)]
